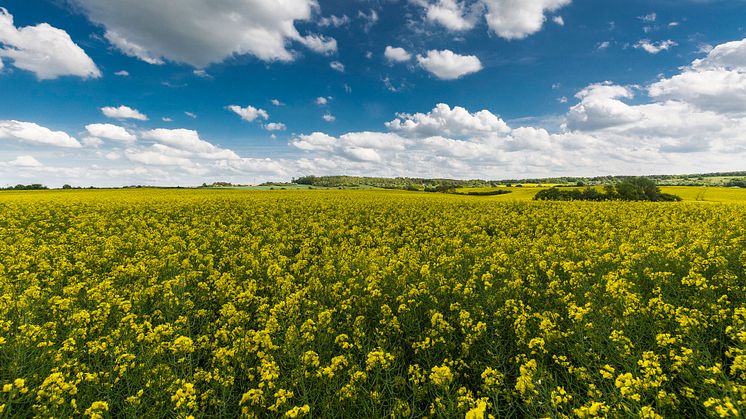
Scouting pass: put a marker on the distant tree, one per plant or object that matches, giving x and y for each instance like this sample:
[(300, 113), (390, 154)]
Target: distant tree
[(66, 186)]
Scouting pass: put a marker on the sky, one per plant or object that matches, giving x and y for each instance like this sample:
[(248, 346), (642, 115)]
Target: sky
[(185, 92)]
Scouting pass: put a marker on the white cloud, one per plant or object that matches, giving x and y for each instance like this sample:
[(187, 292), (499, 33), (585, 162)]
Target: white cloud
[(275, 126), (29, 132), (517, 19), (44, 50), (451, 14), (396, 54), (652, 17), (122, 73), (655, 47), (322, 101), (201, 33), (369, 19), (249, 113), (337, 66), (26, 161), (277, 102), (447, 65), (716, 82), (191, 114), (110, 132), (444, 120), (329, 117), (123, 112), (320, 44), (167, 119), (509, 19), (335, 21), (559, 20), (188, 142), (727, 56), (603, 46)]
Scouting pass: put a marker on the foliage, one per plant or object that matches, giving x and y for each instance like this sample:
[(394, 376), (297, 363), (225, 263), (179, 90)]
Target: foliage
[(222, 303), (31, 187), (631, 189), (429, 185)]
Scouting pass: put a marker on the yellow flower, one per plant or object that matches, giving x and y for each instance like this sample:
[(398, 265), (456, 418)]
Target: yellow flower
[(478, 411), (441, 375)]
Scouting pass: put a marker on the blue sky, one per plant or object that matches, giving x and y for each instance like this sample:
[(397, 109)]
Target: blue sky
[(117, 92)]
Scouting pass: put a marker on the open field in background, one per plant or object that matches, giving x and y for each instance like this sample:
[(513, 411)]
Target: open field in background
[(352, 303)]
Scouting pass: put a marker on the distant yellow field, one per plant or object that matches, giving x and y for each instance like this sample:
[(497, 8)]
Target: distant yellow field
[(687, 193)]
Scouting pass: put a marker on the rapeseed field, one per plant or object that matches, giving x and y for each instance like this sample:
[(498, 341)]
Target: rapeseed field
[(174, 303)]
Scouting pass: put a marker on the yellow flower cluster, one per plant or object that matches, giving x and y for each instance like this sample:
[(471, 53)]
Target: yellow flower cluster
[(230, 303)]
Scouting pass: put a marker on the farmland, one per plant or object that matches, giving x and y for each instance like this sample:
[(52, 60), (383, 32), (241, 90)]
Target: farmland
[(370, 303)]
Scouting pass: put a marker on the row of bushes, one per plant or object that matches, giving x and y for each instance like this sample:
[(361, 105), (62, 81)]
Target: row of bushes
[(632, 189)]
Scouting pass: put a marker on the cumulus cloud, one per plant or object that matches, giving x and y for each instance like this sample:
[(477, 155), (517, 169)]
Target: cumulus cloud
[(249, 113), (122, 73), (322, 101), (447, 65), (444, 120), (31, 133), (716, 82), (655, 47), (451, 14), (508, 19), (396, 54), (201, 33), (329, 117), (44, 50), (511, 19), (123, 112), (110, 132), (184, 142)]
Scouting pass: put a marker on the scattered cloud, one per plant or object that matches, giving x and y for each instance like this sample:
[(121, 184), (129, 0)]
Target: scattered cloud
[(334, 21), (191, 114), (603, 46), (275, 126), (396, 54), (652, 17), (110, 132), (185, 143), (44, 50), (508, 19), (337, 66), (122, 73), (369, 19), (446, 65), (559, 20), (329, 117), (248, 113), (323, 101), (655, 47), (320, 44), (517, 20), (277, 102), (453, 15), (31, 133), (123, 112)]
